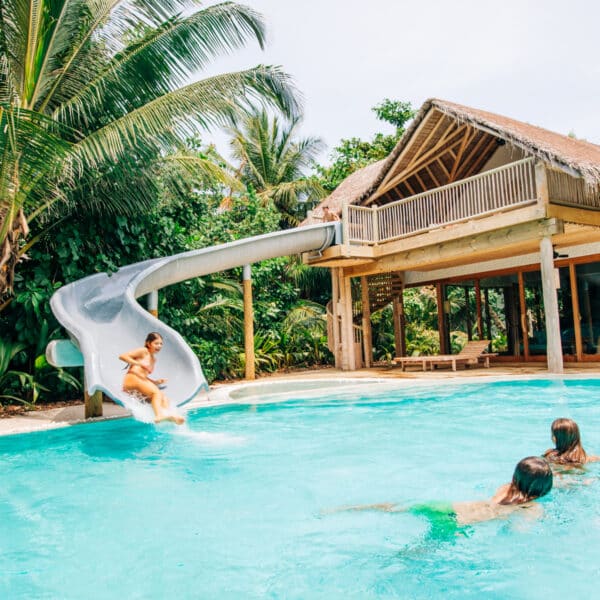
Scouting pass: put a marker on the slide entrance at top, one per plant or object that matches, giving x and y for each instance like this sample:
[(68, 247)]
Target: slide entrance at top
[(103, 318)]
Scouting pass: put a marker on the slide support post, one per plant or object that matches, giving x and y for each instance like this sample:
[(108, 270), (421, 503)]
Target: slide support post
[(248, 323)]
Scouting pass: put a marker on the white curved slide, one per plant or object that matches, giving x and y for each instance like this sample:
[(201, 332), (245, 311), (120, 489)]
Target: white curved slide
[(103, 318)]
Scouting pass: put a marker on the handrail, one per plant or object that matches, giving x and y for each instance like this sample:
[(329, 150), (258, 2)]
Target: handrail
[(571, 191), (509, 186)]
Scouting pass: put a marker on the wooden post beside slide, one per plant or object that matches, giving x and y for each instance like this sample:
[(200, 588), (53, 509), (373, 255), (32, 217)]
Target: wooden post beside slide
[(248, 323), (93, 402)]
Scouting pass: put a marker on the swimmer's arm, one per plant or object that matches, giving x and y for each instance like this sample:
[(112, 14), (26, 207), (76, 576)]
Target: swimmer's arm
[(593, 459), (383, 507), (134, 357)]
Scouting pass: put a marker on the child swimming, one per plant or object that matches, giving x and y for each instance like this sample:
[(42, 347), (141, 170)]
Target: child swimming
[(531, 479), (568, 449)]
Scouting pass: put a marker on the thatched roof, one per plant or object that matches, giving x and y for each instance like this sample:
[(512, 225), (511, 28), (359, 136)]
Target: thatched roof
[(439, 120), (351, 189)]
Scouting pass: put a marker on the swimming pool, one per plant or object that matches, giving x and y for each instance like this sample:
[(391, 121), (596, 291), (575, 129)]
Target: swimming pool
[(242, 504)]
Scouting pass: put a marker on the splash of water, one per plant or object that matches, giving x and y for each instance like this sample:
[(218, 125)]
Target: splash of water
[(210, 438), (140, 409)]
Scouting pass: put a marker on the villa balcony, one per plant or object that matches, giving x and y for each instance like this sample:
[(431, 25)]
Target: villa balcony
[(514, 186)]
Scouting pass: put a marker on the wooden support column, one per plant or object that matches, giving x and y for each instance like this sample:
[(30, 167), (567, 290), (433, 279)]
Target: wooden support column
[(541, 185), (398, 312), (366, 323), (468, 315), (93, 402), (576, 312), (488, 316), (335, 311), (347, 330), (402, 322), (553, 342), (441, 319), (248, 322), (478, 307), (523, 312), (152, 303)]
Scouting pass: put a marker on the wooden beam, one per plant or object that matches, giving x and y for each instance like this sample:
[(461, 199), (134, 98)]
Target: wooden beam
[(478, 307), (410, 188), (415, 135), (488, 317), (441, 318), (92, 402), (463, 168), (469, 135), (576, 311), (541, 185), (421, 182), (248, 323), (366, 323), (452, 131), (483, 156), (423, 160), (574, 215), (443, 167), (468, 314), (397, 319), (347, 326), (431, 174), (428, 162), (335, 310), (523, 312), (471, 249)]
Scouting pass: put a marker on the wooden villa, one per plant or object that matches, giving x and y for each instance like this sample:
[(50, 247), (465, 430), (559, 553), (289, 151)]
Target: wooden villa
[(480, 202)]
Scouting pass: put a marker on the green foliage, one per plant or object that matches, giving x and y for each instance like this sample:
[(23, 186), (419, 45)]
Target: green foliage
[(273, 162), (353, 153), (94, 94)]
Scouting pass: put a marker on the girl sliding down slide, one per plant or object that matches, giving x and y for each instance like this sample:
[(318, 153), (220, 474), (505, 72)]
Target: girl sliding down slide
[(141, 363)]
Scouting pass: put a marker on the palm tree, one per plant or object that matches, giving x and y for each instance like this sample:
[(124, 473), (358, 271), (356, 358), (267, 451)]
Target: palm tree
[(93, 90), (273, 162)]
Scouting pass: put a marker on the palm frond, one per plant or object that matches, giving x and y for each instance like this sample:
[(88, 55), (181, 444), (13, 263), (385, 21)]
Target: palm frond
[(164, 58), (202, 104), (196, 168)]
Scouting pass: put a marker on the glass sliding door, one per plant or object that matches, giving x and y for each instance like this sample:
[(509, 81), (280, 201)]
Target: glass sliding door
[(588, 291), (500, 313)]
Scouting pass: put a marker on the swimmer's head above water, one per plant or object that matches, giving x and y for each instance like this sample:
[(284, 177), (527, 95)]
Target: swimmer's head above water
[(567, 441), (532, 479)]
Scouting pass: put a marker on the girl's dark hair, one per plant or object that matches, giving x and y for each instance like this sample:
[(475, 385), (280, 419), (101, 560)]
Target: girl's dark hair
[(568, 450), (532, 479), (152, 336)]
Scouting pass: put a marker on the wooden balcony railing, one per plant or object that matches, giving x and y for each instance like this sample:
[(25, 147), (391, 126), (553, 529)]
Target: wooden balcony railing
[(571, 191), (506, 187)]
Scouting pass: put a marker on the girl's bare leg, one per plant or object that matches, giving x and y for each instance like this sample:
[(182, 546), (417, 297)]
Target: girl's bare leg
[(157, 399)]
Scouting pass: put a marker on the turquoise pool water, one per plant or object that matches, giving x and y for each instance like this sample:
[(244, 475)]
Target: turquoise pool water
[(242, 505)]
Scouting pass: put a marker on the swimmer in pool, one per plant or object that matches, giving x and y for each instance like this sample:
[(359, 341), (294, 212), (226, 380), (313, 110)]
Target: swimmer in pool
[(141, 363), (532, 479), (568, 450)]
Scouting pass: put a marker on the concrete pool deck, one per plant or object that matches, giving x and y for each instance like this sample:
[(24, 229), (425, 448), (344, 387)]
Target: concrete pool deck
[(41, 420)]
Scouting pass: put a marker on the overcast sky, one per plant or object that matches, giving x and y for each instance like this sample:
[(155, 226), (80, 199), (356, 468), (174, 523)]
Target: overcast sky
[(533, 60)]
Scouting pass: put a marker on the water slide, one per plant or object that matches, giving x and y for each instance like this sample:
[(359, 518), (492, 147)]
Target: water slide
[(103, 318)]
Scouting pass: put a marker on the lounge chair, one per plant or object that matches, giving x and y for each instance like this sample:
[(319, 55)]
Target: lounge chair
[(471, 354)]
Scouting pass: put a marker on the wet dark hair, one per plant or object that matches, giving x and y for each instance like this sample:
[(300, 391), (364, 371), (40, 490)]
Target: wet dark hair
[(153, 335), (568, 448), (532, 479)]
